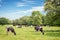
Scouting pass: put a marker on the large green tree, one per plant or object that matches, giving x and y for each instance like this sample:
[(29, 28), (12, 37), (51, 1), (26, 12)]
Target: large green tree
[(52, 7), (4, 21), (36, 18)]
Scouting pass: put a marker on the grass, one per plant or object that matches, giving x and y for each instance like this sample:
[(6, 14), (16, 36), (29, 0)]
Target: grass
[(28, 33)]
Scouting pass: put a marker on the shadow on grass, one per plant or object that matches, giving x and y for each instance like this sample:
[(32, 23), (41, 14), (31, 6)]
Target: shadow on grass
[(51, 30), (52, 33), (36, 33)]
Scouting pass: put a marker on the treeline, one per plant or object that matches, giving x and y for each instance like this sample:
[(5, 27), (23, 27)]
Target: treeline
[(52, 17), (35, 19), (4, 21)]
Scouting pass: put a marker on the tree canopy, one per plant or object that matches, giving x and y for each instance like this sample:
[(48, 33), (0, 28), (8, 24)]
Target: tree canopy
[(34, 19), (4, 21), (52, 7)]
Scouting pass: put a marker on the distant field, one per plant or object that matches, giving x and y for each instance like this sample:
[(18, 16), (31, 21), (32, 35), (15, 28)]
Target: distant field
[(28, 33)]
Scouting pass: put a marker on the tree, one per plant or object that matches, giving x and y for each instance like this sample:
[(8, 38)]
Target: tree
[(52, 7), (36, 18), (23, 21), (4, 21)]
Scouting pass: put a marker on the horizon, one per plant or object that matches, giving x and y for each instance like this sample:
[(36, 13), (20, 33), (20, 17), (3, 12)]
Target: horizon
[(14, 9)]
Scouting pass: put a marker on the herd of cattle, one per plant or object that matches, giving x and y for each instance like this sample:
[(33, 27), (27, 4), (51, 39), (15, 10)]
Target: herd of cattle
[(37, 28)]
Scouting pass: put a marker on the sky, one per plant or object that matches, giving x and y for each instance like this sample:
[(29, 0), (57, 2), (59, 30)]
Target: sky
[(14, 9)]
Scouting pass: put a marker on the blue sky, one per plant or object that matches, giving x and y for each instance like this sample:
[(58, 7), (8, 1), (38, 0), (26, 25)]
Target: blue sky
[(14, 9)]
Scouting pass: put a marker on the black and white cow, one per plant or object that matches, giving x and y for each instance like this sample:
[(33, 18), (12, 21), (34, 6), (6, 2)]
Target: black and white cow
[(39, 28), (11, 29)]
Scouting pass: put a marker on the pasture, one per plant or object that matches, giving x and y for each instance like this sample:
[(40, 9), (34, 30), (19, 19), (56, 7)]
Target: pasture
[(28, 33)]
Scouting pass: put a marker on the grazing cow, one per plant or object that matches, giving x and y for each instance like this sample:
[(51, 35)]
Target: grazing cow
[(19, 26), (39, 28), (11, 29)]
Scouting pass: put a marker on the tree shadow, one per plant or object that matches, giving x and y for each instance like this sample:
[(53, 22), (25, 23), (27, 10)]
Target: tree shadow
[(52, 33), (36, 33), (51, 30)]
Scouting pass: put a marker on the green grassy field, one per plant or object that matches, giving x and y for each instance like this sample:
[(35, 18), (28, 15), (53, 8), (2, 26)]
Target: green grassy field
[(28, 33)]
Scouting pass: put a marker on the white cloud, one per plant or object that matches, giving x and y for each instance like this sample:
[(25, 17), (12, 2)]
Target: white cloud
[(21, 13), (38, 8), (28, 0), (21, 4), (25, 3)]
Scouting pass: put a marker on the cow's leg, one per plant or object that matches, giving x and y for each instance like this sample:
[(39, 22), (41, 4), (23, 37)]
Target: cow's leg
[(13, 32), (36, 29), (42, 31), (7, 31)]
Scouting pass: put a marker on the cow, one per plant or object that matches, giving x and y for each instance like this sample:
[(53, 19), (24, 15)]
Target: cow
[(39, 28), (11, 29), (19, 26)]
